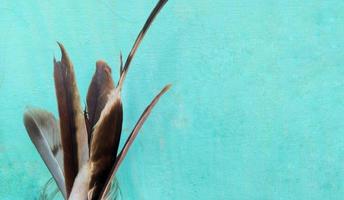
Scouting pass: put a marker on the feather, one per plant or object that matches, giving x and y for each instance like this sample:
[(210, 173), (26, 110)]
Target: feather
[(104, 145), (98, 94), (80, 187), (121, 64), (101, 165), (72, 122), (44, 132), (138, 40), (130, 140), (107, 132)]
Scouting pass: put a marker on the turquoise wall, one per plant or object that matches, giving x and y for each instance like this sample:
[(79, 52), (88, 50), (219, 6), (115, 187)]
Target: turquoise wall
[(255, 112)]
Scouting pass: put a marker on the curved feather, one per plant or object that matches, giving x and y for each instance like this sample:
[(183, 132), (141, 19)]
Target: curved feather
[(72, 122), (130, 140), (138, 40), (104, 144), (44, 133), (98, 94)]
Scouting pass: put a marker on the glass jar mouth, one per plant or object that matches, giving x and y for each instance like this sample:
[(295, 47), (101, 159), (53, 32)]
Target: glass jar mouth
[(50, 191)]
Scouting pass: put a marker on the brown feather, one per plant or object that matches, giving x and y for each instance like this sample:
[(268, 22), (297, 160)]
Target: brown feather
[(104, 145), (107, 132), (138, 40), (123, 73), (72, 122), (130, 140), (98, 94)]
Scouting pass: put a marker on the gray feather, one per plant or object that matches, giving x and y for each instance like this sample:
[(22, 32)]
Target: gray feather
[(44, 133)]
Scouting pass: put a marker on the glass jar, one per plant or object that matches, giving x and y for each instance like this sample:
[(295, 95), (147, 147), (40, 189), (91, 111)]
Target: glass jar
[(50, 191)]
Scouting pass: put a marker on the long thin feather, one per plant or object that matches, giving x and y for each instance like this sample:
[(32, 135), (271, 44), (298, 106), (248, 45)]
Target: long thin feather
[(130, 140), (72, 122), (98, 93), (139, 38), (44, 133), (104, 145)]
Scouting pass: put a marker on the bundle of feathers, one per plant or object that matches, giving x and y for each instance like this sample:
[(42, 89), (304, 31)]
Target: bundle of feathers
[(81, 148)]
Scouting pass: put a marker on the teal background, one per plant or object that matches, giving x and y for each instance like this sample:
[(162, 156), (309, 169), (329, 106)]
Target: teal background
[(255, 112)]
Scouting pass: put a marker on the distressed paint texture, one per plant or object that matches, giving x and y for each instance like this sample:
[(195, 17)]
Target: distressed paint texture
[(256, 110)]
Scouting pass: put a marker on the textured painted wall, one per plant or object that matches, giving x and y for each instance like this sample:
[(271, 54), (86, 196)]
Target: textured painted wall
[(256, 110)]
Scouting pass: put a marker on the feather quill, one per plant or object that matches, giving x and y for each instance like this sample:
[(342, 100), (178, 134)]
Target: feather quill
[(44, 132), (80, 187), (72, 122)]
